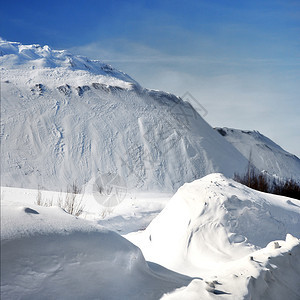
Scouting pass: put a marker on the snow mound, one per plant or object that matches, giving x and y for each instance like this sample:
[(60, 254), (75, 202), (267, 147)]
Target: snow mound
[(215, 227), (265, 154), (60, 124), (50, 254), (281, 274), (271, 273), (215, 220)]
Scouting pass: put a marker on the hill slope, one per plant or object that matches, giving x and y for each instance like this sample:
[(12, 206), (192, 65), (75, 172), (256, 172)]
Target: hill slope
[(66, 118), (265, 154)]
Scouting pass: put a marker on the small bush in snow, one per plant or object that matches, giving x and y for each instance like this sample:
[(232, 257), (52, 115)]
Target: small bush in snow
[(42, 201), (71, 203)]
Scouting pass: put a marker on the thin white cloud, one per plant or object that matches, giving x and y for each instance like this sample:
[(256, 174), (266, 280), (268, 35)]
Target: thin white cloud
[(124, 51)]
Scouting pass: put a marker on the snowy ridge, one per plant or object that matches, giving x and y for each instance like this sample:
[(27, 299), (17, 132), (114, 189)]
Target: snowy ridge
[(61, 125), (265, 154)]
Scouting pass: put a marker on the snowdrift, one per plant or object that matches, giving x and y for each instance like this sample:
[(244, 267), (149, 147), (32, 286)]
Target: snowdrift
[(46, 253), (215, 227), (66, 118), (265, 154), (225, 240)]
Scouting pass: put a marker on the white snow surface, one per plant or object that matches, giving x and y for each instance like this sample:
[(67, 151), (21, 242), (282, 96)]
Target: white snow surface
[(47, 253), (222, 239), (265, 154), (65, 118), (241, 242)]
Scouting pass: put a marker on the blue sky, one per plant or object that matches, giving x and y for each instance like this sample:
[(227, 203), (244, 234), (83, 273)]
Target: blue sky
[(239, 59)]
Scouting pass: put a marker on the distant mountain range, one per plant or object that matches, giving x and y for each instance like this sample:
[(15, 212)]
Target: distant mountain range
[(68, 119)]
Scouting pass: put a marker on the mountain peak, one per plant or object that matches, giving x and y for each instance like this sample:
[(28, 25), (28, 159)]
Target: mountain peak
[(32, 59)]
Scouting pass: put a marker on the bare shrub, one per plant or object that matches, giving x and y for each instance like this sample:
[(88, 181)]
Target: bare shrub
[(106, 212), (71, 203), (289, 188), (41, 201), (38, 199), (261, 182)]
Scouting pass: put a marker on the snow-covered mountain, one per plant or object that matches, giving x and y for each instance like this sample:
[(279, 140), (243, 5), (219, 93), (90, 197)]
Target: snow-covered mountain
[(66, 118), (264, 154)]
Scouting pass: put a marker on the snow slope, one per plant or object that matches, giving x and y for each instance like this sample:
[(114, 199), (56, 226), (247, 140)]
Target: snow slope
[(46, 253), (240, 241), (66, 118), (265, 154)]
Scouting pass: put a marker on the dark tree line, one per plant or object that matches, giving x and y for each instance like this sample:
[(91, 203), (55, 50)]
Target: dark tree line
[(262, 182)]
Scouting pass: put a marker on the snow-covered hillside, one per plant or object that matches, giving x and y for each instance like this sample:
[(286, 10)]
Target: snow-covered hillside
[(66, 118), (265, 155), (242, 242)]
